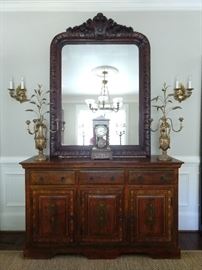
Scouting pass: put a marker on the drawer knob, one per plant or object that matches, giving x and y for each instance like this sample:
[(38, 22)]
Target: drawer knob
[(163, 178), (140, 178), (41, 179), (112, 178), (91, 178), (62, 179)]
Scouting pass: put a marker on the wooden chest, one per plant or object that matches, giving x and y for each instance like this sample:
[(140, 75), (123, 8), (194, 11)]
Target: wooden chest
[(101, 209)]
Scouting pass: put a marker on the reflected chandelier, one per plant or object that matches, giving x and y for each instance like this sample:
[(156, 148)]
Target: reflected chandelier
[(103, 101)]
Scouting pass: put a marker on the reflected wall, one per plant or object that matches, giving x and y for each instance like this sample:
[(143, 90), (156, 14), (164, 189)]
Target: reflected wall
[(79, 83)]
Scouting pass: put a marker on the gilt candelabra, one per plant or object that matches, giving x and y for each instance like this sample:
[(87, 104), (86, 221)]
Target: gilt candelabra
[(165, 124), (39, 129)]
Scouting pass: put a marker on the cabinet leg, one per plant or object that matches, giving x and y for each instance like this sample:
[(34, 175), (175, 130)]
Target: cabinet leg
[(37, 254), (166, 254)]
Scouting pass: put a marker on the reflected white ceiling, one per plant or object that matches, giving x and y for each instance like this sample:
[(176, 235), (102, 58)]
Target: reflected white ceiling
[(78, 61)]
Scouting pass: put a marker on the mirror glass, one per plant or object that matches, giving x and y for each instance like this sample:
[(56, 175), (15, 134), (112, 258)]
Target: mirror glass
[(81, 81)]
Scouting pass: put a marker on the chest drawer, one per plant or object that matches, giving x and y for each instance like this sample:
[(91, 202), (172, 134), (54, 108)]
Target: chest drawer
[(52, 177), (101, 177), (151, 177)]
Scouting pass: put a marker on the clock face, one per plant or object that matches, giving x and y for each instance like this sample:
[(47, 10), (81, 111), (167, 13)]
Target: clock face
[(101, 148), (100, 130)]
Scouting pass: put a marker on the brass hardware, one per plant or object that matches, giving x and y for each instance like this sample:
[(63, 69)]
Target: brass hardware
[(162, 178), (62, 179), (19, 94), (181, 93), (140, 178), (165, 178), (41, 179), (165, 123)]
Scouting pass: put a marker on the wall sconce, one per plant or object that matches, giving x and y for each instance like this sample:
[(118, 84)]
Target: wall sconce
[(181, 92), (19, 93)]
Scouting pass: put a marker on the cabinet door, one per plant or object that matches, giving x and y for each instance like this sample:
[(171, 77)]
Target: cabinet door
[(151, 214), (52, 215), (101, 215)]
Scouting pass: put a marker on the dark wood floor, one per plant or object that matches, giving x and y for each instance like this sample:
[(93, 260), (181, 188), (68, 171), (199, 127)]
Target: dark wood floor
[(15, 240)]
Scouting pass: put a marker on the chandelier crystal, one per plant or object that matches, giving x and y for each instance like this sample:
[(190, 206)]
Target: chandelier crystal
[(104, 101)]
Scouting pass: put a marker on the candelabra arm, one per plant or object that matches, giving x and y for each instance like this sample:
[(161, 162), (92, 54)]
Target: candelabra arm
[(172, 126), (57, 122), (28, 128), (154, 130)]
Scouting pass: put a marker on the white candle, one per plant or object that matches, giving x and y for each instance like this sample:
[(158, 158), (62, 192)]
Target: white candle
[(189, 84), (177, 84), (11, 84), (22, 85)]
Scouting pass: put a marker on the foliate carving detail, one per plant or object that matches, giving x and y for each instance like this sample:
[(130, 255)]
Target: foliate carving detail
[(150, 213), (100, 27)]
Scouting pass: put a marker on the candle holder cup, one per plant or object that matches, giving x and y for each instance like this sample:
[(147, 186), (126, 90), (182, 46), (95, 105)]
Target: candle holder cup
[(181, 92), (19, 94)]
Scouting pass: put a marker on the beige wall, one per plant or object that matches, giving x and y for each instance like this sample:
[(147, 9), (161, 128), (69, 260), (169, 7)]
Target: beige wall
[(176, 50)]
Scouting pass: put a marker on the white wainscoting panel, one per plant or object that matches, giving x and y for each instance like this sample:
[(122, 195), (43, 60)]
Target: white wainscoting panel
[(13, 190), (12, 194), (189, 194)]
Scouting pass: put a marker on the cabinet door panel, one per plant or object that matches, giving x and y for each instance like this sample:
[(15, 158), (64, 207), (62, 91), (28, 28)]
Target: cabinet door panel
[(102, 215), (52, 215), (152, 215)]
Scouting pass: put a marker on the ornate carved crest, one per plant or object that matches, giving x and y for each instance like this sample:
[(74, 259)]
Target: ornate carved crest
[(100, 27)]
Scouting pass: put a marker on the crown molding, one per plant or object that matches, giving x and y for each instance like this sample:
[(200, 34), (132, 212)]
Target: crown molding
[(98, 5)]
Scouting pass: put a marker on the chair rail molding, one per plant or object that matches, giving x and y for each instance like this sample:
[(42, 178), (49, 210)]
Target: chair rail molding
[(12, 193), (98, 5)]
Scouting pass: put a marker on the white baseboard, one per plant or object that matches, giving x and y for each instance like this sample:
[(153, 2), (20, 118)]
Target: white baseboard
[(12, 221), (188, 221)]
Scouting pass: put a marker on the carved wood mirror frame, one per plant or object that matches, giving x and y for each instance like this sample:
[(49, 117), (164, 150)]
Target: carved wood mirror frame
[(99, 30)]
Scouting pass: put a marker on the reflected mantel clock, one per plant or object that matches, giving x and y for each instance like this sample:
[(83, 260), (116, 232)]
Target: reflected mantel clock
[(101, 148)]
